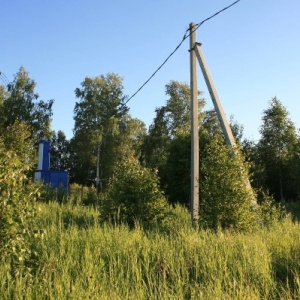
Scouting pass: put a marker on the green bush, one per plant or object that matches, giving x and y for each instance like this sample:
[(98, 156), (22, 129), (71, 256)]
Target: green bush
[(226, 202), (17, 212), (134, 196), (49, 194), (269, 211), (90, 197), (75, 195), (83, 195), (177, 221)]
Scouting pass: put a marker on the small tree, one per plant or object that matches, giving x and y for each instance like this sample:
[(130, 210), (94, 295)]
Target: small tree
[(17, 138), (17, 209), (278, 152), (225, 200), (134, 196)]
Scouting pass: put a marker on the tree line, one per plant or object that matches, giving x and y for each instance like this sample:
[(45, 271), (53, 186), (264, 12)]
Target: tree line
[(105, 135)]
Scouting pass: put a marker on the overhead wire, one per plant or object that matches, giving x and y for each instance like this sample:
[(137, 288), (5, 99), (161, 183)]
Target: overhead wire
[(3, 78), (186, 35)]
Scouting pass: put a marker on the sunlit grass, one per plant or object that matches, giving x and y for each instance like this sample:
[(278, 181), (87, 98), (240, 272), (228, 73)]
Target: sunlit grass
[(83, 259)]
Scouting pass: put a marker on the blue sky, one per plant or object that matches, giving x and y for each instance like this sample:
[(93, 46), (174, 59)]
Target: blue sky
[(252, 51)]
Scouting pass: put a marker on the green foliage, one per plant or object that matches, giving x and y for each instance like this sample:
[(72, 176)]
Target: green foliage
[(269, 212), (293, 208), (21, 103), (172, 121), (48, 194), (156, 145), (104, 132), (60, 152), (90, 197), (178, 220), (178, 167), (278, 153), (237, 130), (75, 195), (134, 196), (83, 159), (178, 108), (100, 98), (226, 202), (17, 212), (124, 142), (82, 195), (3, 96), (17, 138)]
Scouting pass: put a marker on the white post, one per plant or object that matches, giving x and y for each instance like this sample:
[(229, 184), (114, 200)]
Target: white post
[(41, 153)]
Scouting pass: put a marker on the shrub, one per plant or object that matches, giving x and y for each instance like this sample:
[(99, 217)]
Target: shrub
[(134, 196), (82, 195), (226, 201), (17, 211), (49, 194), (90, 197), (269, 211)]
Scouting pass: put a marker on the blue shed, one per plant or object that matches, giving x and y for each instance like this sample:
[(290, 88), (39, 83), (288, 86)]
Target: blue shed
[(44, 174)]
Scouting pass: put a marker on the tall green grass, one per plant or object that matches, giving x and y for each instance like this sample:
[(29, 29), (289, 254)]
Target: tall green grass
[(81, 259)]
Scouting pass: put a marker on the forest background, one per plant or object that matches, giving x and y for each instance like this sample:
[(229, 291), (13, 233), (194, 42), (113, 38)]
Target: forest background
[(141, 173)]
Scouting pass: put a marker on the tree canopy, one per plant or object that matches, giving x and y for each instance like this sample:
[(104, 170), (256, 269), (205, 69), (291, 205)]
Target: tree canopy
[(104, 132), (278, 151), (107, 138), (19, 102)]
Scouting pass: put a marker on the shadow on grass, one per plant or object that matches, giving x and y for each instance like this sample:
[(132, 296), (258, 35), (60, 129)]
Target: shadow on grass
[(80, 221), (293, 208)]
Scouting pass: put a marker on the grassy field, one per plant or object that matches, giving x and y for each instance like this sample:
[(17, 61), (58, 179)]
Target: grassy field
[(81, 259)]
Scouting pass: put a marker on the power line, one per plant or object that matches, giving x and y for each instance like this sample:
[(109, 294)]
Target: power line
[(4, 78), (186, 35), (214, 15)]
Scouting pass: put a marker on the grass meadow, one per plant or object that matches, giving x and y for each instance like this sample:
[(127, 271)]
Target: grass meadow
[(79, 258)]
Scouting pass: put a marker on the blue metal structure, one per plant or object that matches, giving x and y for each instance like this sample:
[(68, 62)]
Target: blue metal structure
[(43, 173)]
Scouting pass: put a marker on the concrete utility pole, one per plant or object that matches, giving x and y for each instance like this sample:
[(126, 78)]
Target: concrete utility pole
[(230, 140), (194, 129), (98, 186)]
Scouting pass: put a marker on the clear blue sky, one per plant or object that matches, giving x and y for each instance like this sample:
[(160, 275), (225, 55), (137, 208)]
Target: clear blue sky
[(252, 51)]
